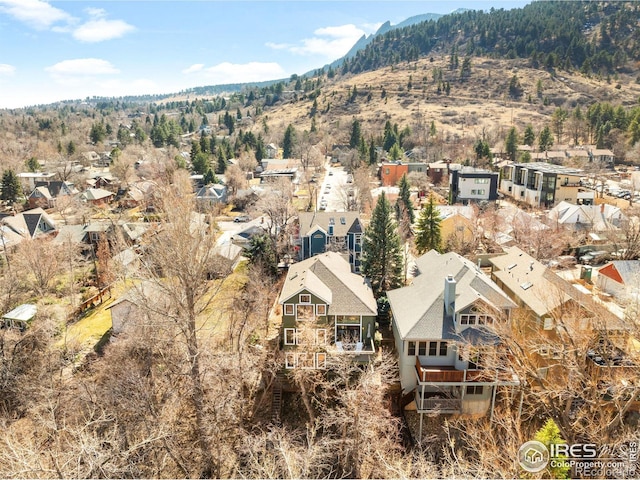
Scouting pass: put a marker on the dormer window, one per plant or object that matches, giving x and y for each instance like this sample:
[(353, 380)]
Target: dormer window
[(305, 298)]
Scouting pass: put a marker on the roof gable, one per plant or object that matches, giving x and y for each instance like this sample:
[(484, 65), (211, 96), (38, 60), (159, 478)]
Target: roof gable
[(343, 222), (328, 276), (418, 310)]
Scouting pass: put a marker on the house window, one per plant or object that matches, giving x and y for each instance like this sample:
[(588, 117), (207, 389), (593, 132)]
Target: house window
[(288, 309), (411, 349), (474, 389), (437, 349), (547, 323), (422, 348), (321, 336), (290, 360), (306, 360), (304, 312), (467, 319), (358, 238), (290, 336), (481, 180), (386, 171), (321, 360), (321, 309), (305, 298), (480, 191)]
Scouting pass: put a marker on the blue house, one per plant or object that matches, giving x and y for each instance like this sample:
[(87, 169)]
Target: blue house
[(341, 232)]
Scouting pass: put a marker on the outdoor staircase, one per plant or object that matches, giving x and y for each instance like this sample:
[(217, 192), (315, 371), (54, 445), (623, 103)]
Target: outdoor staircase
[(276, 399)]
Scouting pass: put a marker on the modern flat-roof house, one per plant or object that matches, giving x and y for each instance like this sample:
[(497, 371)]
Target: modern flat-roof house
[(449, 360), (439, 170), (541, 184), (338, 231), (469, 184), (392, 172), (326, 309)]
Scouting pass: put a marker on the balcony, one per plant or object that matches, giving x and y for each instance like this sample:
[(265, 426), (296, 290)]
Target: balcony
[(449, 374), (355, 348), (438, 404), (613, 363)]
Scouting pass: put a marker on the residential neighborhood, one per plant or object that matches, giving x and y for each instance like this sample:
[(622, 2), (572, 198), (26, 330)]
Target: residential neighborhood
[(422, 261)]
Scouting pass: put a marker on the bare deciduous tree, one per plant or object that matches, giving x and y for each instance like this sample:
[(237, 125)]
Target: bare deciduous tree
[(276, 205), (40, 262)]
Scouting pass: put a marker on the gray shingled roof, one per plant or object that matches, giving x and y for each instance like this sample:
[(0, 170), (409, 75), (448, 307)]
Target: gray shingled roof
[(517, 270), (309, 220), (418, 310), (544, 290), (329, 277)]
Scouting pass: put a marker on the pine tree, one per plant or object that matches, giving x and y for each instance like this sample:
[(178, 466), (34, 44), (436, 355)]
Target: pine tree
[(209, 178), (529, 135), (381, 254), (404, 202), (288, 142), (428, 232), (550, 434), (10, 186), (373, 157), (356, 134), (511, 144), (545, 139)]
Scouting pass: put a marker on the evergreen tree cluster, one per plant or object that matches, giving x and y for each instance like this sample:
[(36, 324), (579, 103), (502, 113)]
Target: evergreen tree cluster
[(592, 37)]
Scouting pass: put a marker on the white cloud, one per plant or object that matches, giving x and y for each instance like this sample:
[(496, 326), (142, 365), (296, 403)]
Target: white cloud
[(96, 12), (329, 42), (101, 29), (196, 67), (82, 67), (41, 15), (237, 73), (6, 69), (36, 13)]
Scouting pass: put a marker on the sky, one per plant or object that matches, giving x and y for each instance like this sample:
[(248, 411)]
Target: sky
[(73, 49)]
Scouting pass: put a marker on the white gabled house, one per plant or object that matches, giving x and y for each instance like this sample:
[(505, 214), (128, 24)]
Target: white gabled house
[(450, 362)]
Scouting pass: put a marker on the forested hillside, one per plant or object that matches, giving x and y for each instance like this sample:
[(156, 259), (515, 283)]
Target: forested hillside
[(589, 36)]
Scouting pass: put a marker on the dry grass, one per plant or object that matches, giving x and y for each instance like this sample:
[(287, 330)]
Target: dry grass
[(86, 332), (478, 106)]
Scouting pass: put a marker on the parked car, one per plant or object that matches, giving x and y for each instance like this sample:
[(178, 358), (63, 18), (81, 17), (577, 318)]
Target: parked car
[(241, 218)]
